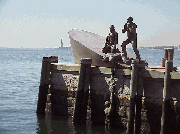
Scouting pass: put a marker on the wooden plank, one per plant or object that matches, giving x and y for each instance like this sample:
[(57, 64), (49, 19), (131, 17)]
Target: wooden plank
[(66, 66), (105, 70), (160, 74), (66, 72), (155, 72)]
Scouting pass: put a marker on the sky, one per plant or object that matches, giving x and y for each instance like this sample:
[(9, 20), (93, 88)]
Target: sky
[(42, 23)]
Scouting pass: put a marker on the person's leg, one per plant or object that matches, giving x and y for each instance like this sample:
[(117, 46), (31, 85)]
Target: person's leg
[(106, 49), (134, 46), (124, 47)]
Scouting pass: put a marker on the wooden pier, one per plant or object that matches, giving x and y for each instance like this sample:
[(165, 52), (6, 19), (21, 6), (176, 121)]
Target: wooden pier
[(146, 99)]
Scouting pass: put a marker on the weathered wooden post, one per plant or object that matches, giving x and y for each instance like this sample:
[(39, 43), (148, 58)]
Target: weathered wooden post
[(44, 83), (166, 99), (82, 92), (170, 53), (165, 57), (170, 57), (139, 96), (133, 90), (54, 59), (59, 93)]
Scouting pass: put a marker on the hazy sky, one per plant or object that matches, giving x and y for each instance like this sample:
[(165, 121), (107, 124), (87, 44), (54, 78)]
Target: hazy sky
[(42, 23)]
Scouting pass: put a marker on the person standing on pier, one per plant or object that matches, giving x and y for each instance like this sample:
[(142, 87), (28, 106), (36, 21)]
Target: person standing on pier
[(130, 28)]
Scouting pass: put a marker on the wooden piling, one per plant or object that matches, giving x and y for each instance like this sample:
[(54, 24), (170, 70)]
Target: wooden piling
[(133, 90), (170, 57), (139, 99), (165, 53), (44, 83), (170, 53), (166, 99), (80, 112), (163, 60)]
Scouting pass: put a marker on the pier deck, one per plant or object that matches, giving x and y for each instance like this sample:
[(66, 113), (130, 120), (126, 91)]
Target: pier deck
[(150, 72)]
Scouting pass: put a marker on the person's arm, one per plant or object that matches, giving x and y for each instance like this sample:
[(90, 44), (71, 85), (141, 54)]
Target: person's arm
[(116, 38), (107, 40), (125, 28)]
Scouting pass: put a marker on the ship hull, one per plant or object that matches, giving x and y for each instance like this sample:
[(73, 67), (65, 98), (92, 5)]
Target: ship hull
[(80, 51)]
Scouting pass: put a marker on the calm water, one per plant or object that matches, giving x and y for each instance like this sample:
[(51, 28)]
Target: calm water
[(19, 84)]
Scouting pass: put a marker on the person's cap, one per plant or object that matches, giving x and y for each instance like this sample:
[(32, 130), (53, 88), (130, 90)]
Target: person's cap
[(130, 18), (111, 26)]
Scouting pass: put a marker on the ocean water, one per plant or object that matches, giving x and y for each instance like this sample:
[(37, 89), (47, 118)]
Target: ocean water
[(20, 71)]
